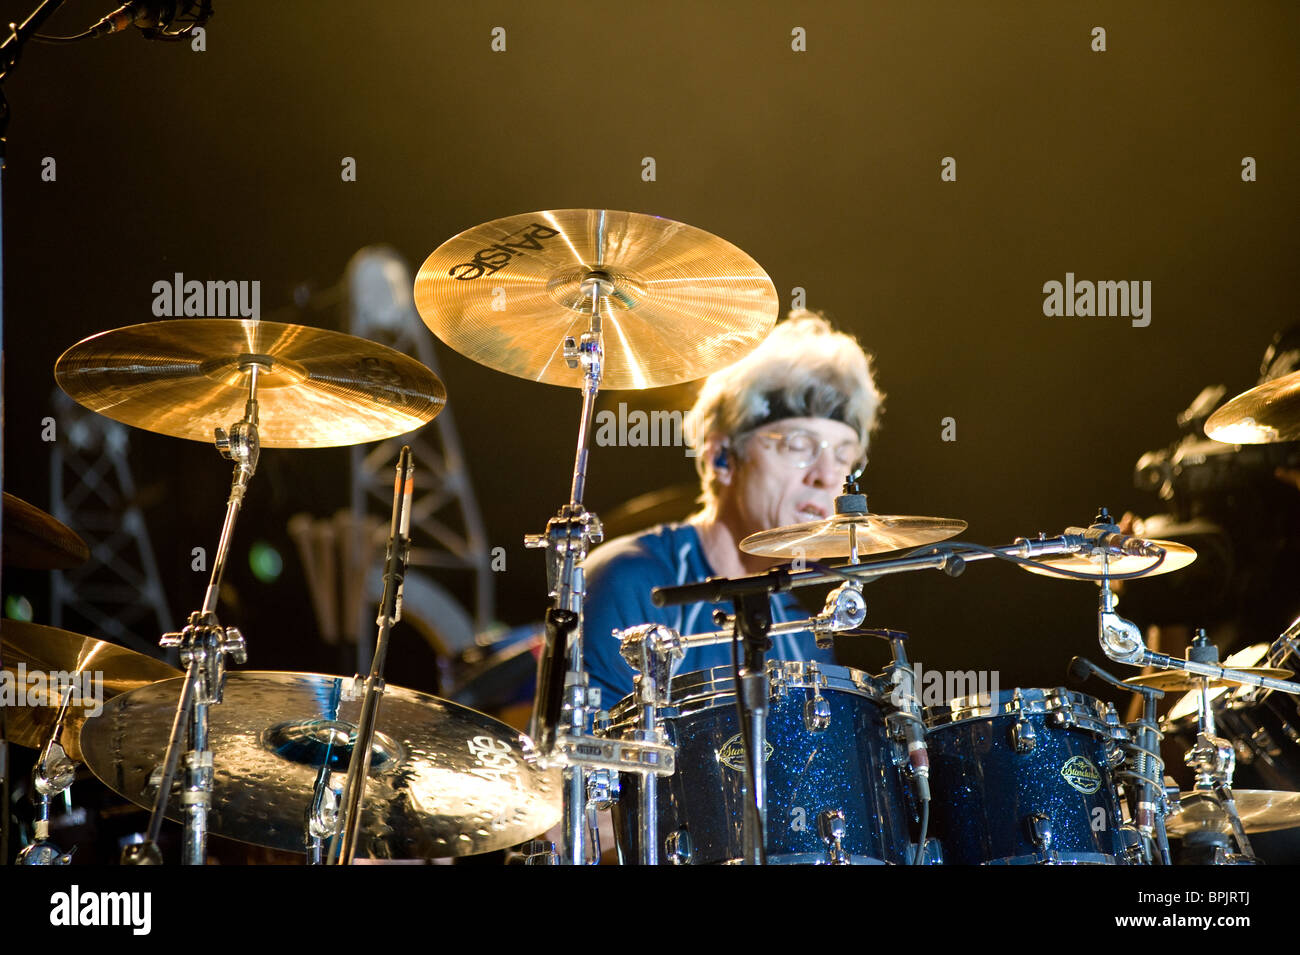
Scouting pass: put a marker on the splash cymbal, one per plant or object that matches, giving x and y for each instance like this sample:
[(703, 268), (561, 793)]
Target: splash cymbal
[(316, 388), (683, 304), (92, 665), (444, 780), (1177, 556), (1264, 414), (36, 540), (834, 536)]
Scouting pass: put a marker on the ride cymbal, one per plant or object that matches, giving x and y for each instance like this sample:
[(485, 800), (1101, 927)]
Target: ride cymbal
[(36, 540), (95, 666), (834, 536), (315, 388), (1266, 413), (682, 302), (444, 780)]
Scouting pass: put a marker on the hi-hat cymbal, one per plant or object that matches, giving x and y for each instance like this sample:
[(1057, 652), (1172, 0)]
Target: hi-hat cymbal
[(834, 536), (1184, 680), (444, 780), (1177, 556), (185, 377), (683, 304), (93, 666), (38, 541), (1264, 414), (1260, 810)]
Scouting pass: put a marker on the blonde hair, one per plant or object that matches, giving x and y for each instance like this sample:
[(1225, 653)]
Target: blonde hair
[(803, 369)]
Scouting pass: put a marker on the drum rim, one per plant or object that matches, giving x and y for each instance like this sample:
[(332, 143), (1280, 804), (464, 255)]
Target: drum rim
[(700, 690), (1029, 701)]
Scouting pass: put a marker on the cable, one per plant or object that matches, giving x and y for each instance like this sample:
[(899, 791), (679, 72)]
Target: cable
[(925, 828)]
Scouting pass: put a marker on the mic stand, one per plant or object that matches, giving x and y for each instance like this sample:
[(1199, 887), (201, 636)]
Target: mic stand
[(203, 646), (344, 845), (753, 619), (323, 814)]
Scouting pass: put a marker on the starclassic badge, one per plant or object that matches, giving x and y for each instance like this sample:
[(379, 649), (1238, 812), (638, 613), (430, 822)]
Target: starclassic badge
[(732, 754), (1080, 773)]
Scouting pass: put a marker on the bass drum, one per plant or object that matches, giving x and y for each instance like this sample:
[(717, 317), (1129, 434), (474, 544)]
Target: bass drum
[(1026, 779), (828, 751)]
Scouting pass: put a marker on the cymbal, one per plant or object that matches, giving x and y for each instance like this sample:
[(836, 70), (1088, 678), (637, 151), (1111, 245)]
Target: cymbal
[(684, 302), (876, 533), (184, 377), (445, 780), (1260, 810), (1264, 414), (1177, 556), (95, 666), (1183, 680), (1189, 703), (35, 540)]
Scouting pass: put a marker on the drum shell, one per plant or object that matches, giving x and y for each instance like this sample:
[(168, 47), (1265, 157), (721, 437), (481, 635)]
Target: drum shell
[(987, 793), (852, 766)]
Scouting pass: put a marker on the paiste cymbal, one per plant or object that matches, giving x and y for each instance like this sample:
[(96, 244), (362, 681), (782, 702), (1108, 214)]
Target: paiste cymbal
[(36, 540), (185, 377), (444, 780), (1183, 680), (684, 302), (38, 659), (1264, 414), (876, 534), (1177, 556), (1260, 810)]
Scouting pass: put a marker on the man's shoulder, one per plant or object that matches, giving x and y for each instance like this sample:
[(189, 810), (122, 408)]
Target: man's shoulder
[(656, 550)]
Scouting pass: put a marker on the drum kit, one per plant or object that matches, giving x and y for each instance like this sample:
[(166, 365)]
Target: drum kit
[(765, 762)]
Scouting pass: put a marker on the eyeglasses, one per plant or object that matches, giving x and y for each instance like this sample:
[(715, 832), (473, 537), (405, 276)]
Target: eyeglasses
[(801, 449)]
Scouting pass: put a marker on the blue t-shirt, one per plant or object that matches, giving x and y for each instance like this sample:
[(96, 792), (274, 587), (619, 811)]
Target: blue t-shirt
[(620, 575)]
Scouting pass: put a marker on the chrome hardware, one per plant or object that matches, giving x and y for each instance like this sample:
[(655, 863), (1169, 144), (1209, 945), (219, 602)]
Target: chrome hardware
[(602, 788), (678, 849), (1023, 737), (845, 609), (1040, 830), (831, 827), (539, 852), (816, 709)]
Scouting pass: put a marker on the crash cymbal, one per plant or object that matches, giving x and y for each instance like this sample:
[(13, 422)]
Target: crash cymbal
[(444, 781), (184, 377), (832, 537), (1182, 680), (100, 670), (1189, 703), (684, 302), (1177, 556), (37, 541), (1260, 810), (1264, 414)]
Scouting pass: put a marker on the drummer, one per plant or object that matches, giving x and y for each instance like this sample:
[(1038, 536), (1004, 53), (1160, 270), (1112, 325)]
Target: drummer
[(775, 435)]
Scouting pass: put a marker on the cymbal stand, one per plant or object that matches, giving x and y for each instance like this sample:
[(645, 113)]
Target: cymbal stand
[(203, 646), (561, 714), (323, 814), (1213, 758), (52, 774)]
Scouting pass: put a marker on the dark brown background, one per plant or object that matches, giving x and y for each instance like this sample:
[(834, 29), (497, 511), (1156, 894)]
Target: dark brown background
[(823, 165)]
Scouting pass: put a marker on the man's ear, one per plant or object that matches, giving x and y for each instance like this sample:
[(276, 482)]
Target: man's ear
[(721, 458)]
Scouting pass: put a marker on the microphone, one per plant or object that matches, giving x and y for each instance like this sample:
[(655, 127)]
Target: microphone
[(1081, 668), (155, 18), (1099, 537)]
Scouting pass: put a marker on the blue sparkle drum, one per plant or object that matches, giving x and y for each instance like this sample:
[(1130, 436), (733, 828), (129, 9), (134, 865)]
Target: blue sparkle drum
[(828, 753), (1026, 778)]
